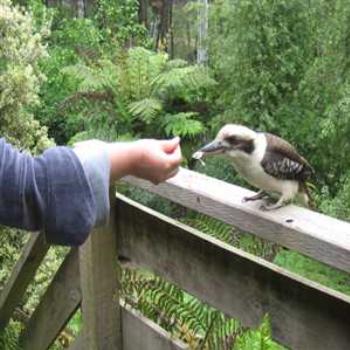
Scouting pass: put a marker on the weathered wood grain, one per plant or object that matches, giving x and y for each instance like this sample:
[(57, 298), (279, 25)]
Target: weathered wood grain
[(321, 237), (99, 287), (304, 315), (141, 333), (138, 333), (78, 343), (22, 274), (60, 301)]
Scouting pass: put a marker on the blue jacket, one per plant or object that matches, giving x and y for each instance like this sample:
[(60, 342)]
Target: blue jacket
[(54, 192)]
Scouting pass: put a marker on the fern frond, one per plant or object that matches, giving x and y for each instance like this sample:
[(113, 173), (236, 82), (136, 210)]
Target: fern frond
[(87, 77), (146, 109), (100, 77), (213, 227), (141, 68), (187, 318), (183, 124), (181, 81)]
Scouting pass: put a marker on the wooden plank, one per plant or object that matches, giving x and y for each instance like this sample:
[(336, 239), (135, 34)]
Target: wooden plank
[(60, 301), (321, 237), (99, 278), (240, 284), (78, 344), (141, 333), (33, 253)]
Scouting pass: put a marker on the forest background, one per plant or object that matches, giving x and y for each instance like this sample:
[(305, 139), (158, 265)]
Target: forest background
[(126, 69)]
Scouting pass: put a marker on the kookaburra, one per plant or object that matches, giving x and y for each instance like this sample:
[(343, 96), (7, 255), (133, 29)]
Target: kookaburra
[(266, 161)]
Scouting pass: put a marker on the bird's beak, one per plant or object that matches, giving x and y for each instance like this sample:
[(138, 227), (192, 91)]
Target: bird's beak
[(213, 147)]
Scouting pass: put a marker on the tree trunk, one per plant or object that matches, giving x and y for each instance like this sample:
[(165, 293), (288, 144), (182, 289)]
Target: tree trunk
[(164, 24), (143, 7), (80, 8), (202, 52)]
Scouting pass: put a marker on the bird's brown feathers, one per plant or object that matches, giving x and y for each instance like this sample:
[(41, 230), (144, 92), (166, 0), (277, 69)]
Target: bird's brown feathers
[(282, 161)]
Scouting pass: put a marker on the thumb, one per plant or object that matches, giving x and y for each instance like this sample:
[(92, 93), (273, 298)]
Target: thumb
[(169, 146)]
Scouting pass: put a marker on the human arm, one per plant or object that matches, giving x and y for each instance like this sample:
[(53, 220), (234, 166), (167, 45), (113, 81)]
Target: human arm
[(65, 192), (104, 163)]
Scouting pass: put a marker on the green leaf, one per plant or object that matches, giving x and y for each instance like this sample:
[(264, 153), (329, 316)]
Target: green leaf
[(146, 109), (183, 124)]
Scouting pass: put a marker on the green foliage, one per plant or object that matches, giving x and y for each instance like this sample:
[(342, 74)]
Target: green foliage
[(314, 270), (213, 227), (197, 324), (11, 243), (151, 200), (338, 206), (20, 77), (182, 124), (119, 22), (133, 92), (9, 337), (226, 233), (260, 339), (70, 42), (146, 109)]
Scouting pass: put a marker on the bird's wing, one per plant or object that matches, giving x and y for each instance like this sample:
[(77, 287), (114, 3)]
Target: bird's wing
[(282, 161)]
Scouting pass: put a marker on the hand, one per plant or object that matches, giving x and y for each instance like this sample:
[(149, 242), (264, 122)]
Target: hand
[(152, 160), (158, 160)]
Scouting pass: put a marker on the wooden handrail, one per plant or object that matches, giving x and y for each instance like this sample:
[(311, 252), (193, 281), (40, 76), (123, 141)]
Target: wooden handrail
[(316, 235)]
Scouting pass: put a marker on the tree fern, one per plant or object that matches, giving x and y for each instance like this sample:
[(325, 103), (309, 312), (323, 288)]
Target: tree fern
[(135, 90), (180, 314), (141, 67), (182, 124), (183, 81), (146, 109), (99, 77)]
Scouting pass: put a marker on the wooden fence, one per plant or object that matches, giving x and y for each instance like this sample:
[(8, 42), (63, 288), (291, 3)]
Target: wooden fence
[(303, 314)]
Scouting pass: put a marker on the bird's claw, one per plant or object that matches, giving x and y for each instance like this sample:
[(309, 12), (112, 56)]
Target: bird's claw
[(265, 207)]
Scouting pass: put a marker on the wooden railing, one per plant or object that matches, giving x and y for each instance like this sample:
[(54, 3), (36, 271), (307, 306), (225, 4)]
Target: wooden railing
[(303, 314)]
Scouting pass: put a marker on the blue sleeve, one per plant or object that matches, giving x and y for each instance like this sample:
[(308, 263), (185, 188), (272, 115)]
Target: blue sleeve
[(50, 192), (94, 157)]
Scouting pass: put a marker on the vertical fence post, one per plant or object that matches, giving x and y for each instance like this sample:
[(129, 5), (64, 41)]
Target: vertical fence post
[(99, 286)]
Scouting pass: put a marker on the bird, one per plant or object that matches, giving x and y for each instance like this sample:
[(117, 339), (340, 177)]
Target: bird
[(264, 160)]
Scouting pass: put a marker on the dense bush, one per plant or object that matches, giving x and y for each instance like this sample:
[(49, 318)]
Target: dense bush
[(21, 49)]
